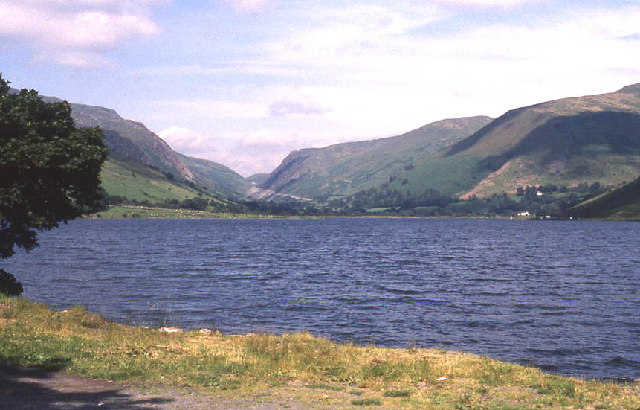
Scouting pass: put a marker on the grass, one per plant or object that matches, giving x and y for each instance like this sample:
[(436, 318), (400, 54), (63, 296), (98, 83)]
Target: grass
[(397, 393), (366, 402), (306, 367), (135, 181), (137, 211), (325, 387)]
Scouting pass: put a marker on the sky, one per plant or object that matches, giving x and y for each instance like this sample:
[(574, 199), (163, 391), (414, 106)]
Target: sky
[(245, 82)]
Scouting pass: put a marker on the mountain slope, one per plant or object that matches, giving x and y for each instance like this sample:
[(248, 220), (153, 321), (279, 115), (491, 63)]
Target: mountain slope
[(565, 142), (344, 169), (148, 147), (131, 142), (133, 181), (217, 177), (142, 168), (621, 203)]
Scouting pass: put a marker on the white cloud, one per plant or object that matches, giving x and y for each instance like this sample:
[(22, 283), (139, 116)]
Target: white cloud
[(246, 153), (247, 164), (361, 67), (350, 32), (286, 107), (372, 77), (484, 3), (212, 109), (248, 6), (184, 140), (265, 138), (343, 74), (74, 32), (250, 67)]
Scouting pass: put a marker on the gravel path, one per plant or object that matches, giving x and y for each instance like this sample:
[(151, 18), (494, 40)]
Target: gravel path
[(28, 388)]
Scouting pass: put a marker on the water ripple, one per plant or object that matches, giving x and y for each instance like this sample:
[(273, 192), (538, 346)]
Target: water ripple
[(563, 296)]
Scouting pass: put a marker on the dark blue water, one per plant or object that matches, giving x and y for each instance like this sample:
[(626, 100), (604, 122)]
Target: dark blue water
[(561, 295)]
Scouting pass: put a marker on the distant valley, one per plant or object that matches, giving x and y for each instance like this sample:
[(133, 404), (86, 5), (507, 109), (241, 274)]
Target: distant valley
[(563, 144), (345, 169), (131, 145), (569, 149)]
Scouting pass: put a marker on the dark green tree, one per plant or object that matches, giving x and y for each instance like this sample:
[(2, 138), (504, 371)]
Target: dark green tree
[(49, 169)]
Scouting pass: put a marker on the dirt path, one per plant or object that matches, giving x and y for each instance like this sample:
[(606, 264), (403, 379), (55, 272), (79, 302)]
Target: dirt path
[(28, 388)]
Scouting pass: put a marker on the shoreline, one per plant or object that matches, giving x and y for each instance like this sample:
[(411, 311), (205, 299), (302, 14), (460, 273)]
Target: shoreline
[(306, 368), (146, 212)]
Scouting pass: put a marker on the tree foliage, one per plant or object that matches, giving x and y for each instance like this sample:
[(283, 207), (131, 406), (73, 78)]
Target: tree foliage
[(49, 170), (9, 285)]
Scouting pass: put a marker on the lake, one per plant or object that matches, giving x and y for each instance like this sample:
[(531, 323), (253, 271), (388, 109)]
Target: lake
[(560, 295)]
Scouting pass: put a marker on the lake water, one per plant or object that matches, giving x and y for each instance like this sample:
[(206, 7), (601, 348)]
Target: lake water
[(560, 295)]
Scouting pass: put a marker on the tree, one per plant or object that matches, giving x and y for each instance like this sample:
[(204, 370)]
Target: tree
[(49, 170)]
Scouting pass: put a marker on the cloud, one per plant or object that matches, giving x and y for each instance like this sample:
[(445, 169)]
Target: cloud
[(631, 37), (245, 152), (75, 32), (249, 67), (327, 74), (284, 107), (483, 3), (247, 164), (248, 6), (184, 140), (211, 109), (391, 60), (265, 138)]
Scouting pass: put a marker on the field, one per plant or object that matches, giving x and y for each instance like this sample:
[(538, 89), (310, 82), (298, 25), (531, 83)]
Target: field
[(135, 181), (138, 211)]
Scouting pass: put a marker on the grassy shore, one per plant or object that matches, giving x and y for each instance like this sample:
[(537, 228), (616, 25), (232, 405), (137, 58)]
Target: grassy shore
[(309, 369), (631, 213), (136, 211)]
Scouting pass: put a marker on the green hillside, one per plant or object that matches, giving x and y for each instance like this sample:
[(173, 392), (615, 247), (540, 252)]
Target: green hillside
[(621, 203), (563, 151), (142, 168), (131, 142), (217, 177), (258, 178), (344, 169), (564, 143), (133, 182), (138, 182)]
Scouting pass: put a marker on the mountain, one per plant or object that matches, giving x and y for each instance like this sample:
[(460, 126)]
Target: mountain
[(131, 142), (344, 169), (258, 178), (562, 142), (135, 182), (565, 142), (621, 203), (135, 151)]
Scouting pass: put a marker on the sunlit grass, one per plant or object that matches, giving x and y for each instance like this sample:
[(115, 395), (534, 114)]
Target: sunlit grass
[(310, 368), (139, 211)]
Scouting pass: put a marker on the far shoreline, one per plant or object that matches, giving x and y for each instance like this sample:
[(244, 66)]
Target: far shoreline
[(150, 212)]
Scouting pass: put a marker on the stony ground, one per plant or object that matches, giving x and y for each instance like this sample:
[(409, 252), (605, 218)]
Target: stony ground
[(28, 388)]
